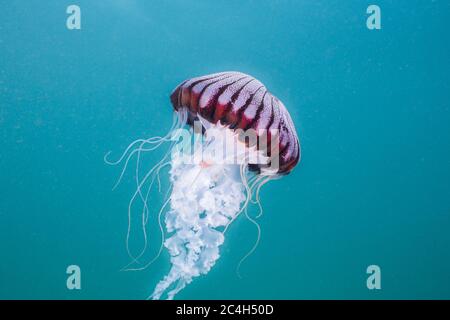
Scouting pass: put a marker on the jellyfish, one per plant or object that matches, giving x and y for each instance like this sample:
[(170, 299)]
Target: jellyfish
[(229, 137)]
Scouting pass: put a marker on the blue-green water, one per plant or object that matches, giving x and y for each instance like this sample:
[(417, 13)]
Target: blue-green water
[(371, 109)]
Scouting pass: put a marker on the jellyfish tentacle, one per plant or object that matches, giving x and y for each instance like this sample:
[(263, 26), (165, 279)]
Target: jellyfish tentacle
[(258, 183), (257, 196), (125, 152), (249, 195), (138, 151), (138, 190), (145, 209), (161, 230), (151, 140), (255, 245), (126, 268), (253, 182), (153, 172), (158, 176), (159, 186), (179, 121), (242, 170)]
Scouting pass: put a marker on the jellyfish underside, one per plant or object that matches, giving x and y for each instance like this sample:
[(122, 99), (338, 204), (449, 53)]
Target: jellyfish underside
[(204, 198)]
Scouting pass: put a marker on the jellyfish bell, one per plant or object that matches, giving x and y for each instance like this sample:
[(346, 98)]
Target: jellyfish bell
[(239, 101), (230, 136)]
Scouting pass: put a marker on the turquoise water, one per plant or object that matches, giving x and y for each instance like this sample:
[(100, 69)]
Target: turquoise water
[(371, 109)]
